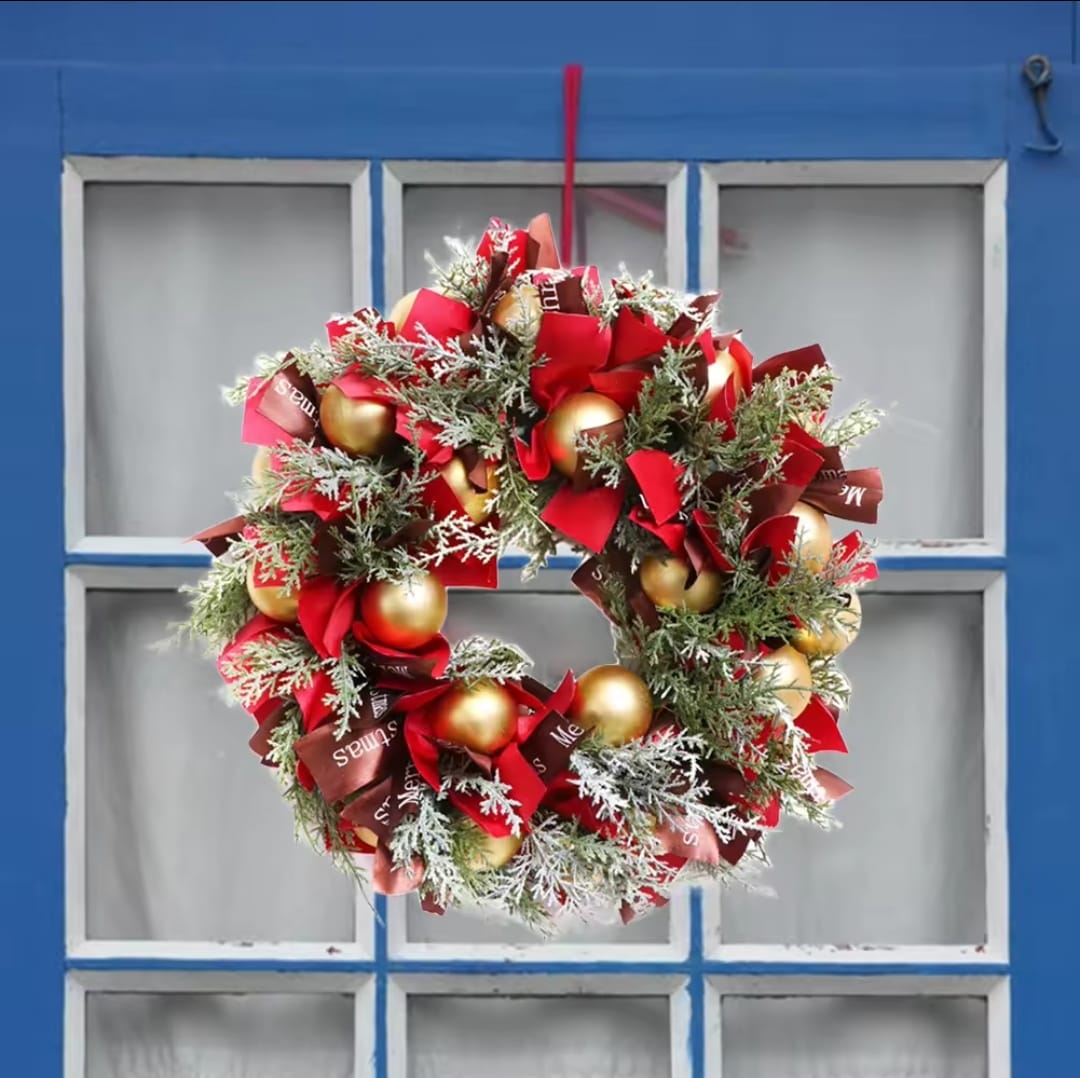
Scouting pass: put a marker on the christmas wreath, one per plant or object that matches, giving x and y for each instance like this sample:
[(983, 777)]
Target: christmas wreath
[(519, 405)]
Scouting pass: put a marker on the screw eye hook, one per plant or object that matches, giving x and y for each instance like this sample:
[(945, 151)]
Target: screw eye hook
[(1039, 75)]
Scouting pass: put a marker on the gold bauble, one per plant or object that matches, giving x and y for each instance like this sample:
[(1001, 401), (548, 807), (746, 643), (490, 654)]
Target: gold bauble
[(482, 717), (487, 853), (272, 600), (365, 834), (518, 312), (837, 632), (614, 703), (404, 615), (476, 503), (813, 538), (788, 674), (399, 313), (719, 371), (578, 413), (664, 579), (260, 464), (364, 427)]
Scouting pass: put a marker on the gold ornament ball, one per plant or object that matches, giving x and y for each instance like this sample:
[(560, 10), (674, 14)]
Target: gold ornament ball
[(364, 428), (518, 312), (365, 834), (836, 634), (720, 370), (399, 313), (272, 600), (788, 674), (813, 538), (482, 717), (614, 703), (406, 615), (664, 581), (476, 503), (575, 415), (487, 853), (260, 464)]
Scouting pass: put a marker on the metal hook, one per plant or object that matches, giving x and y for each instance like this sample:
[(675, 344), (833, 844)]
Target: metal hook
[(1040, 74)]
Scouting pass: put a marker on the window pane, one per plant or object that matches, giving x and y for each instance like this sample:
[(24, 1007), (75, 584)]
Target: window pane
[(188, 837), (544, 1037), (615, 225), (854, 1037), (889, 282), (206, 1036), (908, 866), (559, 631), (185, 285)]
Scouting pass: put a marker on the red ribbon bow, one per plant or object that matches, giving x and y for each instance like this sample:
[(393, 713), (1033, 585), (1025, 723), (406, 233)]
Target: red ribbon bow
[(541, 747)]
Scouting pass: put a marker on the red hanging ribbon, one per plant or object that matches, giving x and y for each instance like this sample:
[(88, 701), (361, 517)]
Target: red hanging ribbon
[(571, 101)]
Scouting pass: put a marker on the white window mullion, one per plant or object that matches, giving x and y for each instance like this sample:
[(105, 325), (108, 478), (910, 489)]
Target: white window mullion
[(995, 749), (75, 761)]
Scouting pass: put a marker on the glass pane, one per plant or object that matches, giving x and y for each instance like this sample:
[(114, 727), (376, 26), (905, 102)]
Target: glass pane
[(615, 226), (559, 632), (538, 1037), (854, 1037), (185, 285), (908, 865), (205, 1036), (889, 282), (188, 837)]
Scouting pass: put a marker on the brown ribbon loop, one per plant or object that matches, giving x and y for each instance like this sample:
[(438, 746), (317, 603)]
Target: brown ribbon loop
[(589, 576), (415, 668), (700, 842), (688, 326), (368, 751), (607, 434), (405, 799), (371, 809), (540, 248), (697, 842), (853, 495), (389, 880), (537, 689), (697, 553), (497, 281), (562, 294), (327, 553), (549, 747), (381, 809), (362, 757), (697, 367), (292, 403), (260, 740), (219, 537), (408, 533)]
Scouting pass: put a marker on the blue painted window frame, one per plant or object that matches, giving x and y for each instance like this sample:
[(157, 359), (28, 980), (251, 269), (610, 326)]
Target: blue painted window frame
[(49, 111)]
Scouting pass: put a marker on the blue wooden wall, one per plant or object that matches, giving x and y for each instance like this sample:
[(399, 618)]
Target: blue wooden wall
[(122, 95), (510, 34)]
